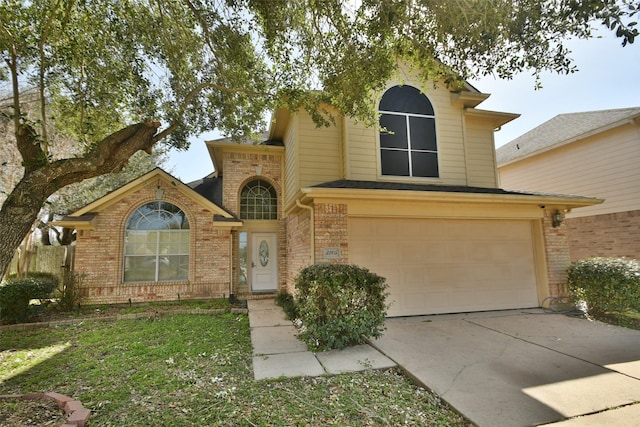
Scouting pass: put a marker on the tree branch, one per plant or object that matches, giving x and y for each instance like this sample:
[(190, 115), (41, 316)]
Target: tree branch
[(12, 63), (187, 101), (110, 155), (203, 24)]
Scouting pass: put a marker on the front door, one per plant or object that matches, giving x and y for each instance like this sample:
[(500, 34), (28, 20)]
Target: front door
[(264, 262)]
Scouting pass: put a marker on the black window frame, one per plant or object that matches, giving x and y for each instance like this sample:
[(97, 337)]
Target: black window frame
[(408, 144)]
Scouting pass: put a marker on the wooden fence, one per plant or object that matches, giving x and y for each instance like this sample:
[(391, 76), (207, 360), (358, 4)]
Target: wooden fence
[(49, 259)]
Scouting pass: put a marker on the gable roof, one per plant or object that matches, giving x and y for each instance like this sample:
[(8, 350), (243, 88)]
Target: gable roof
[(564, 129), (202, 192), (262, 142)]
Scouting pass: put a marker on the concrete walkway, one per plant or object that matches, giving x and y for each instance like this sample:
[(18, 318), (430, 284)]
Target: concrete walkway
[(277, 352)]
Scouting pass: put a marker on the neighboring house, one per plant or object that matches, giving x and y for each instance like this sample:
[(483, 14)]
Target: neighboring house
[(419, 205), (595, 153)]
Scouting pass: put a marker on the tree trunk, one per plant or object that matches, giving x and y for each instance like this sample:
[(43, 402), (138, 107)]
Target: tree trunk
[(16, 218), (20, 209), (45, 234)]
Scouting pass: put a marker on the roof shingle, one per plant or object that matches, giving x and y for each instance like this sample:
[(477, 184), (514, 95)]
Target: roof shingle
[(561, 129)]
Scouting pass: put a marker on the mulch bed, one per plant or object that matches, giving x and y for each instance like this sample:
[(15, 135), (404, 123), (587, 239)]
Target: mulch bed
[(32, 412)]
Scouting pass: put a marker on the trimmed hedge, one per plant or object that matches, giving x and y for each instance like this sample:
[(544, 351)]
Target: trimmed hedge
[(16, 293), (339, 305), (606, 284)]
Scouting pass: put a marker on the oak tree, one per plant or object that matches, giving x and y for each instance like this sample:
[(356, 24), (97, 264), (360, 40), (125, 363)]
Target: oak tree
[(120, 76)]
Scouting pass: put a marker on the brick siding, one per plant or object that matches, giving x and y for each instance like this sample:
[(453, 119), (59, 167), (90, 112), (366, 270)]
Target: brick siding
[(557, 253), (331, 231), (298, 227), (241, 168), (99, 254), (609, 235)]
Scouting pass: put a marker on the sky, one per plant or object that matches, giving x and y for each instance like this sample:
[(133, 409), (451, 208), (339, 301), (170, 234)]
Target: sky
[(608, 78)]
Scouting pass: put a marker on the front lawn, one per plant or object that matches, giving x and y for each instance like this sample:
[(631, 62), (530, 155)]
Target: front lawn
[(196, 370)]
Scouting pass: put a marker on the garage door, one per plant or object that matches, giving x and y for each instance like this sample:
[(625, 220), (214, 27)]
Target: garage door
[(448, 266)]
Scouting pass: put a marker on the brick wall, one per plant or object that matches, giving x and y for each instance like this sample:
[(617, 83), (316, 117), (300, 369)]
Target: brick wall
[(239, 169), (557, 252), (331, 231), (609, 235), (99, 253), (298, 228)]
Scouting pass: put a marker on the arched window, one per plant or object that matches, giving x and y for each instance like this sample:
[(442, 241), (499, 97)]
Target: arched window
[(258, 200), (156, 244), (408, 136)]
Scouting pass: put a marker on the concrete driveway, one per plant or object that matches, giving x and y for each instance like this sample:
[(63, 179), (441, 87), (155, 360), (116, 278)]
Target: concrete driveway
[(522, 368)]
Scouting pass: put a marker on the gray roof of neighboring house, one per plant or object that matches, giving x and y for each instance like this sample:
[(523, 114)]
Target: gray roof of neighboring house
[(563, 128)]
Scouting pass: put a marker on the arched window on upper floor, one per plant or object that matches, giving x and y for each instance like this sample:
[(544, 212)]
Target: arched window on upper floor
[(258, 200), (156, 244), (408, 144)]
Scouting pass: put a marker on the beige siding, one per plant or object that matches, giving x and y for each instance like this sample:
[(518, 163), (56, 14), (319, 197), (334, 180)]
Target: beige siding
[(481, 164), (362, 163), (320, 152), (362, 144), (603, 166), (349, 150), (291, 178)]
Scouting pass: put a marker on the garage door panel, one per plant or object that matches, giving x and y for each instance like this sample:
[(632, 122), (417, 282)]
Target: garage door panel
[(447, 275), (443, 266)]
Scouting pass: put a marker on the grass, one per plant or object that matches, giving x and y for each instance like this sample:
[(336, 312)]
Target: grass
[(197, 370)]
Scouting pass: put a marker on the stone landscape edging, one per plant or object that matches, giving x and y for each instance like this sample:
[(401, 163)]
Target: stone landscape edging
[(77, 415)]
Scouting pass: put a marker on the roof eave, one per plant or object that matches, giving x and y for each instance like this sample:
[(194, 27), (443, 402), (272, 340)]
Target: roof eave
[(157, 173), (497, 118), (559, 201), (72, 224)]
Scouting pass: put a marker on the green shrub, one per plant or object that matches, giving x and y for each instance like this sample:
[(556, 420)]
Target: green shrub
[(16, 293), (288, 304), (606, 284), (340, 305)]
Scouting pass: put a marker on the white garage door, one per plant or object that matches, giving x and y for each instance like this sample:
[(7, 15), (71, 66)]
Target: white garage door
[(448, 266)]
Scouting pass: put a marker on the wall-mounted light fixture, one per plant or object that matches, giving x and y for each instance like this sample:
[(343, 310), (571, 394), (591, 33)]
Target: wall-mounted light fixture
[(557, 218), (159, 192)]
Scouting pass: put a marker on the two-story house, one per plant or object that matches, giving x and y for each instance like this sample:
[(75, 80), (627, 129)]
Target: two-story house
[(417, 202)]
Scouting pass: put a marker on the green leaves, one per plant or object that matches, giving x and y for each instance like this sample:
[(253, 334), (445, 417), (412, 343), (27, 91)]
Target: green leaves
[(16, 293), (198, 65), (339, 305), (606, 284)]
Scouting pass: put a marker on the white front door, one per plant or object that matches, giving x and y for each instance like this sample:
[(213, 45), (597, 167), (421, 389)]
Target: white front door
[(264, 262)]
